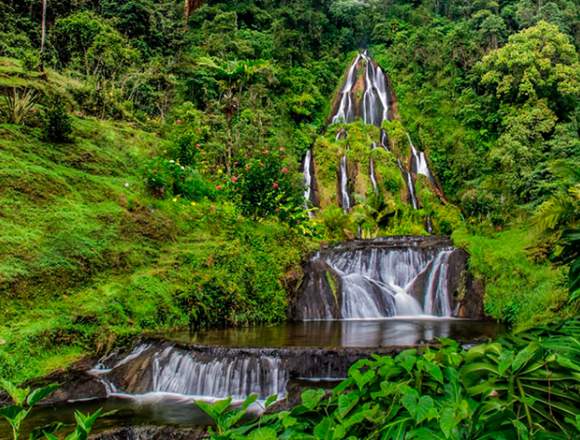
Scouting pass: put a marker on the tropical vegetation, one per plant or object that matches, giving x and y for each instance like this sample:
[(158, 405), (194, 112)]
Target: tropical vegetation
[(150, 180)]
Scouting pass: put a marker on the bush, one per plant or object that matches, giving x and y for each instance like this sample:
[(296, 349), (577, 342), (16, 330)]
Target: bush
[(265, 187), (167, 177), (57, 122), (19, 104)]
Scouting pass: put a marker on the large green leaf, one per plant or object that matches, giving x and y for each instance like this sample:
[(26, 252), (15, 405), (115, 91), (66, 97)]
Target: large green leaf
[(37, 395), (346, 402), (311, 398)]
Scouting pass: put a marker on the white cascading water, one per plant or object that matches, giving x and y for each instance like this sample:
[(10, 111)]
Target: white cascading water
[(410, 184), (344, 195), (346, 112), (174, 372), (419, 160), (411, 187), (379, 283), (385, 140), (308, 180), (372, 171), (436, 298), (375, 100)]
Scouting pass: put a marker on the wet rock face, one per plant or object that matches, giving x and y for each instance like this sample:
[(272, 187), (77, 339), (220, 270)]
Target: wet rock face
[(387, 277)]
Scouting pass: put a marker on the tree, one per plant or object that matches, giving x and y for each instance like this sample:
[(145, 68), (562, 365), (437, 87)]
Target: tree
[(537, 63), (190, 6), (494, 29), (43, 35)]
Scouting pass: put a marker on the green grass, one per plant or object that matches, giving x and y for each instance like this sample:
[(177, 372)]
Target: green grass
[(88, 259), (518, 290)]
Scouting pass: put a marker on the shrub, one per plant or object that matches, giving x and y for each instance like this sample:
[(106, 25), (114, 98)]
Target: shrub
[(57, 122), (167, 177), (19, 104), (264, 187)]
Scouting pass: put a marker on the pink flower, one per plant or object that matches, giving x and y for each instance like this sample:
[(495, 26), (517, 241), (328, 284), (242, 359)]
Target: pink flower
[(285, 170), (275, 185), (234, 179)]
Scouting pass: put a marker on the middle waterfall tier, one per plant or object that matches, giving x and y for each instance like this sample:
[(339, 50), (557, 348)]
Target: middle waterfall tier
[(400, 276)]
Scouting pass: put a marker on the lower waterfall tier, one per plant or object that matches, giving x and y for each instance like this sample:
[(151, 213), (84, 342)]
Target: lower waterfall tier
[(382, 278)]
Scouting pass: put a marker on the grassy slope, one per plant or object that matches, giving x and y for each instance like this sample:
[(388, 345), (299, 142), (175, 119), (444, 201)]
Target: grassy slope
[(87, 257)]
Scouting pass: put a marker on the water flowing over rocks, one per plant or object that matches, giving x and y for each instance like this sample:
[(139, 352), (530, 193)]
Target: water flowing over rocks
[(389, 277)]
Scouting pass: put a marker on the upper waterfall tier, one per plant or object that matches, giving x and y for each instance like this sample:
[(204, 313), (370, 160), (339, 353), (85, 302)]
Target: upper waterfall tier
[(368, 97), (398, 276)]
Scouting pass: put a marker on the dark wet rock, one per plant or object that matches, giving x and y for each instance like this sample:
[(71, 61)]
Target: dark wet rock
[(151, 433), (323, 286), (471, 306)]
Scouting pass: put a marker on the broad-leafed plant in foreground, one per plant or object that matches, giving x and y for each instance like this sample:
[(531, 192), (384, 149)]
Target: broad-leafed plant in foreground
[(520, 387)]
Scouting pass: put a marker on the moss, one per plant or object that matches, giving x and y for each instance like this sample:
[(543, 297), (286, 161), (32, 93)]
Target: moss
[(332, 284)]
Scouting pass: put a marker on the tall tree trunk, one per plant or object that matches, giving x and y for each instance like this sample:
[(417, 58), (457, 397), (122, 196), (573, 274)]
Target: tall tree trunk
[(189, 6), (43, 35)]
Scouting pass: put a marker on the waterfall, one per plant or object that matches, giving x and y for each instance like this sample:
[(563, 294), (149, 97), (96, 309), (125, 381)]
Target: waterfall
[(176, 371), (428, 224), (419, 161), (345, 197), (436, 301), (410, 184), (372, 171), (346, 108), (153, 372), (374, 279), (411, 188), (374, 109), (341, 134), (385, 140), (375, 100), (308, 180)]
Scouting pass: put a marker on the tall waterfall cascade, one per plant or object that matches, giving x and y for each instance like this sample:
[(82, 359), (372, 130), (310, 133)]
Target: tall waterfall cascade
[(344, 193), (308, 173), (367, 95)]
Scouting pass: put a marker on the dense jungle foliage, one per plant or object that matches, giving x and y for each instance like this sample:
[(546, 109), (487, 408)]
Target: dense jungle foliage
[(150, 156)]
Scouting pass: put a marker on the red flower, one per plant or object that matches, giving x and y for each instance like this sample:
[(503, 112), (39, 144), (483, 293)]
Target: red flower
[(285, 170), (275, 185), (234, 179), (218, 187)]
